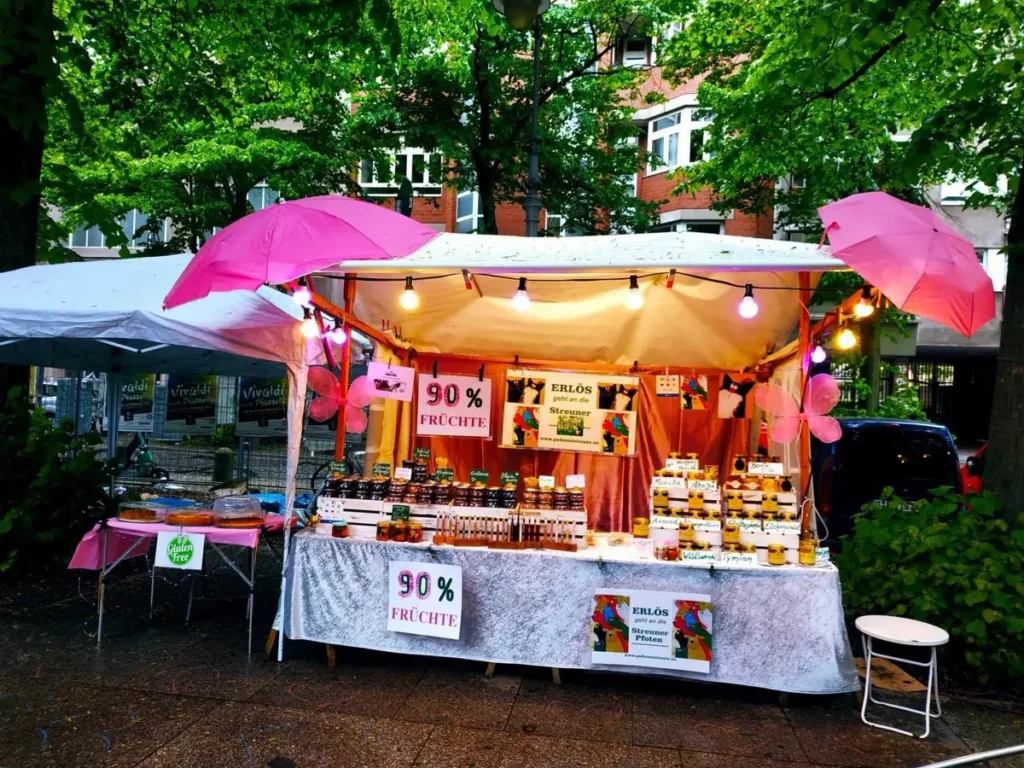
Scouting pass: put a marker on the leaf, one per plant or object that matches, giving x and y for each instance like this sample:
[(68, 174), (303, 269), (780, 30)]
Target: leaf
[(974, 597), (990, 616), (976, 629)]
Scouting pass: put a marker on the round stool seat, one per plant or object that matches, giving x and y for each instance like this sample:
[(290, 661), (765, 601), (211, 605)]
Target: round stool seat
[(896, 629)]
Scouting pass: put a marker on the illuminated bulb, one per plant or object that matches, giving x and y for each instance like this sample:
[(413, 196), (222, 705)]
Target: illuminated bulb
[(302, 295), (634, 299), (521, 299), (748, 306), (409, 299), (338, 335), (846, 339), (818, 354), (864, 307), (309, 327)]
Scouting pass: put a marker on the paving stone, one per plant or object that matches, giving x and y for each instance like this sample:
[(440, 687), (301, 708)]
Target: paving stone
[(593, 712)]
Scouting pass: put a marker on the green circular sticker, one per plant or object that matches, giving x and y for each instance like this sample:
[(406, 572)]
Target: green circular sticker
[(180, 550)]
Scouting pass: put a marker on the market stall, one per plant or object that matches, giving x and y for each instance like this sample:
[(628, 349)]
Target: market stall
[(107, 316)]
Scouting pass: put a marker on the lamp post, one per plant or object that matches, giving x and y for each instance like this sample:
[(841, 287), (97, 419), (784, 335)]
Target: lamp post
[(522, 15)]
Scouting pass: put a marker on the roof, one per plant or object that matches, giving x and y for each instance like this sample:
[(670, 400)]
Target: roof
[(685, 251)]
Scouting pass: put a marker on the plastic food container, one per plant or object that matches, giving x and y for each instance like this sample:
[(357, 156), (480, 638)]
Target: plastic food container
[(237, 512), (141, 512)]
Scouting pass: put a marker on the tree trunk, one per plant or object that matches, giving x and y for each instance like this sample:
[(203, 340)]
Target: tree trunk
[(871, 348), (28, 54), (1003, 472), (485, 185)]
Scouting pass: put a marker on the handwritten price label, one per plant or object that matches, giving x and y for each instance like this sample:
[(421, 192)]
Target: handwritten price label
[(425, 599)]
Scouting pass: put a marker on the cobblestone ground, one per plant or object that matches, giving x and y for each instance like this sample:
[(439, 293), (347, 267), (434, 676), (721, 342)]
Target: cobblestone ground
[(160, 693)]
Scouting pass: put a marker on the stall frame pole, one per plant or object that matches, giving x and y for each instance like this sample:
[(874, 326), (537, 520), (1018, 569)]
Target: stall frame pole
[(343, 372), (805, 360)]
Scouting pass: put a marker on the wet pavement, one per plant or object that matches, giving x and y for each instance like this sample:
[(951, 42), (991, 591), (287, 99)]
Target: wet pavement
[(163, 694)]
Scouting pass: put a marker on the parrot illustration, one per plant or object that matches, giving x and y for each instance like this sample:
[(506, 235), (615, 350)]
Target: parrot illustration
[(688, 624), (615, 424), (607, 617), (525, 421), (695, 392)]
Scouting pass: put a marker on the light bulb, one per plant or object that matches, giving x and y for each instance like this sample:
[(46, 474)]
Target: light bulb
[(864, 307), (846, 339), (338, 335), (748, 305), (409, 300), (302, 295), (634, 299), (818, 354), (521, 299), (309, 328)]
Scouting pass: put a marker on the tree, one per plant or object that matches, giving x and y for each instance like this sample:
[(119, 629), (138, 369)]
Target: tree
[(463, 86), (852, 96), (188, 105)]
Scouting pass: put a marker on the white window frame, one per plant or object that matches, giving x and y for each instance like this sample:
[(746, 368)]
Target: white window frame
[(162, 236), (683, 130), (637, 59), (475, 215), (265, 191), (375, 187), (103, 238)]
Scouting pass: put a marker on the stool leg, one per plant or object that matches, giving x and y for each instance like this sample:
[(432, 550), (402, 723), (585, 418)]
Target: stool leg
[(865, 643), (928, 698), (938, 704)]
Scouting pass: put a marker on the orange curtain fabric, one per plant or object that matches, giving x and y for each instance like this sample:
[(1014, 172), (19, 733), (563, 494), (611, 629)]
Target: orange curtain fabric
[(617, 487)]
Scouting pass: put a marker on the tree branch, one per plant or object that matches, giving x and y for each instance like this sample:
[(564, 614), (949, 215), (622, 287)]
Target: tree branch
[(863, 69)]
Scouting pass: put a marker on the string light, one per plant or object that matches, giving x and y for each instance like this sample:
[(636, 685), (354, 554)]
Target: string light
[(521, 299), (634, 299), (748, 304), (338, 334), (309, 327), (846, 339), (409, 300), (864, 307), (818, 354), (302, 295)]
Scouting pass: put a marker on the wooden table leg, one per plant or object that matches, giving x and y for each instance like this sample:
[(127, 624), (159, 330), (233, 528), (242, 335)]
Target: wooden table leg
[(489, 672), (331, 658), (271, 641), (556, 676)]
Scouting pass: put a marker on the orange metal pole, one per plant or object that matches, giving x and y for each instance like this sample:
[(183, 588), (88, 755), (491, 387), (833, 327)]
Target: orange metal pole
[(343, 374), (805, 360)]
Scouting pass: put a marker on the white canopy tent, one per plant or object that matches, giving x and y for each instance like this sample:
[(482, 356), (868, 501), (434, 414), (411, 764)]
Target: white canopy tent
[(107, 316), (577, 287)]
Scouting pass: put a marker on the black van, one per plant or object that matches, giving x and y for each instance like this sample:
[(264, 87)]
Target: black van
[(911, 456)]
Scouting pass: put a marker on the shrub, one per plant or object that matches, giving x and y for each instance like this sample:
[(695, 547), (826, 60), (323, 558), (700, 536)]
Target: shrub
[(52, 489), (951, 561)]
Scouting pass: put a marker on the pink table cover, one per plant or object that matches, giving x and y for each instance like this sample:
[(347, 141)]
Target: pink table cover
[(122, 537)]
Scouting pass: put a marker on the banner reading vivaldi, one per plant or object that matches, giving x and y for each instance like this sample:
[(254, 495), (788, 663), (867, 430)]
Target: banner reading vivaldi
[(579, 412)]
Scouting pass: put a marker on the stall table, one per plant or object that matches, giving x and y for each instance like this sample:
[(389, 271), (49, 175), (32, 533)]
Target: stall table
[(112, 541), (779, 628)]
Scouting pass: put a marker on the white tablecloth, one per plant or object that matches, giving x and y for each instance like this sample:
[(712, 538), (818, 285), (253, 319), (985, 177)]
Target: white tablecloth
[(776, 628)]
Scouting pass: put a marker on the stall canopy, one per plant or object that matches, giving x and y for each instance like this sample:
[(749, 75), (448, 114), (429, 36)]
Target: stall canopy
[(107, 316), (577, 287)]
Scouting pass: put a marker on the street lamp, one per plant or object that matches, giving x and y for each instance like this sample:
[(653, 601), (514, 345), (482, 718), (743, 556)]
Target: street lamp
[(521, 15)]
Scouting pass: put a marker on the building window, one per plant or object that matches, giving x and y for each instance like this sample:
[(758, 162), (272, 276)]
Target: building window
[(382, 177), (133, 221), (468, 216), (633, 51), (86, 237), (955, 192), (261, 196), (678, 138), (705, 227)]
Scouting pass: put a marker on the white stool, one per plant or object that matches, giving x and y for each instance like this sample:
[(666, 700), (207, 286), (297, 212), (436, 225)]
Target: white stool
[(900, 631)]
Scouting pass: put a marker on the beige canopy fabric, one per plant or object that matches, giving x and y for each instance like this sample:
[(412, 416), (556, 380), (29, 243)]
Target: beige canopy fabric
[(577, 314)]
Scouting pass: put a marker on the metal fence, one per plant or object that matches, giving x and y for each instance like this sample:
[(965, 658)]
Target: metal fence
[(259, 462)]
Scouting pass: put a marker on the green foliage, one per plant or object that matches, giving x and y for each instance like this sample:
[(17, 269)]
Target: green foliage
[(903, 402), (463, 86), (951, 561), (187, 106), (52, 489), (224, 436)]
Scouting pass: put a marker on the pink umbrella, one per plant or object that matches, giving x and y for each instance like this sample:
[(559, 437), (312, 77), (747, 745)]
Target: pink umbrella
[(909, 254), (284, 242)]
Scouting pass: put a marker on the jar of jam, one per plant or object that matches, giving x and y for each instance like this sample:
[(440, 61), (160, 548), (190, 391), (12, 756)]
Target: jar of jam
[(730, 533), (545, 499), (685, 546), (730, 547), (675, 455), (396, 490), (414, 534), (695, 475), (751, 512), (576, 500), (399, 531), (776, 554), (711, 473), (663, 472), (788, 514), (701, 546), (769, 515), (509, 495), (460, 494), (807, 552), (492, 497), (770, 502), (476, 494), (686, 532), (444, 492), (362, 488), (429, 492), (693, 456), (333, 489), (560, 498), (384, 530), (340, 530), (531, 498), (695, 501), (750, 549), (379, 488), (641, 527)]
